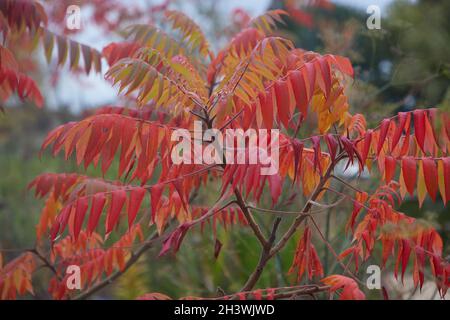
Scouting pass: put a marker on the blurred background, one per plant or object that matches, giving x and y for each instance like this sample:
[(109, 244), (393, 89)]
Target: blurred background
[(402, 66)]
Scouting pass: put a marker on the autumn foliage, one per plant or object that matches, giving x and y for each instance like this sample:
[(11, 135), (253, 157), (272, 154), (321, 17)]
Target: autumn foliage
[(258, 80)]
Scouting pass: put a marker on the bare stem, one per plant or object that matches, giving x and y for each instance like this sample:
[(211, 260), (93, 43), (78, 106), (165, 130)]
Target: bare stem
[(345, 183), (263, 259), (47, 263), (252, 223)]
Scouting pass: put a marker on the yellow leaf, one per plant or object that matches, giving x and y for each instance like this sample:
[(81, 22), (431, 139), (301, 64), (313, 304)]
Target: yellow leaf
[(421, 187), (441, 180)]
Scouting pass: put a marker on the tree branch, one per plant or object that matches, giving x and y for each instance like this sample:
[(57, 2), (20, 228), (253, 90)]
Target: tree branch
[(252, 223), (263, 259), (45, 261), (268, 252)]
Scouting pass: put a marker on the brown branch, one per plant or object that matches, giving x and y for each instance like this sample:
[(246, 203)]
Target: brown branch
[(280, 292), (268, 252), (264, 258), (47, 263), (305, 210), (345, 183), (252, 223), (331, 249)]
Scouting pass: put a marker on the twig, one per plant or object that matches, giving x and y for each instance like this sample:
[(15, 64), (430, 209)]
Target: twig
[(263, 259), (345, 183), (331, 249), (45, 261), (252, 223)]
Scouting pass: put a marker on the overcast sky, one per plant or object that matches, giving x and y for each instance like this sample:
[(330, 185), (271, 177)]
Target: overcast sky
[(94, 91)]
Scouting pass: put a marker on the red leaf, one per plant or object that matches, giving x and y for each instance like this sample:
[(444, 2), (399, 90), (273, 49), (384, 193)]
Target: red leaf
[(326, 75), (357, 206), (409, 173), (317, 152), (117, 201), (402, 117), (389, 168), (64, 216), (384, 127), (350, 289), (309, 73), (98, 202), (349, 149), (134, 203), (217, 248), (267, 108), (344, 65), (419, 127), (118, 50), (257, 294), (406, 251), (385, 293), (283, 102), (306, 258), (178, 186), (54, 230), (332, 146), (275, 184), (446, 163), (173, 241), (80, 212), (431, 177), (300, 93), (297, 147)]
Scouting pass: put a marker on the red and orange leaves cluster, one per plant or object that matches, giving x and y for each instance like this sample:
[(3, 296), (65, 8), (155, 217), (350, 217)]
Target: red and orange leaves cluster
[(259, 80)]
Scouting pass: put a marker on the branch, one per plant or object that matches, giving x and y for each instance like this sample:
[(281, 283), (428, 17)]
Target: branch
[(281, 292), (252, 223), (305, 210), (268, 252), (45, 261), (263, 259), (331, 249), (345, 183)]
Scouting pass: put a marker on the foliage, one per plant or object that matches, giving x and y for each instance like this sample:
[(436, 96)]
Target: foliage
[(259, 80)]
